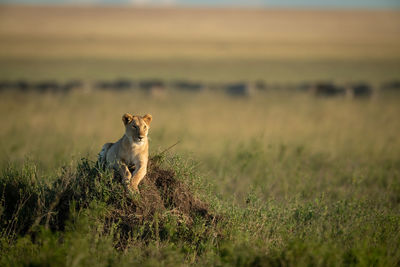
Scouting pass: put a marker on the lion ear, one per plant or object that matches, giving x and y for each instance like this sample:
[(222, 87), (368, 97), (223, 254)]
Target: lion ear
[(147, 118), (127, 118)]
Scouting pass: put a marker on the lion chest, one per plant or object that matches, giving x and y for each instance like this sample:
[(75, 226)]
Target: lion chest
[(134, 155)]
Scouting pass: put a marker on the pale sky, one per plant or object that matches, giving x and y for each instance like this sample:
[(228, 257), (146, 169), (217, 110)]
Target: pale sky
[(244, 3)]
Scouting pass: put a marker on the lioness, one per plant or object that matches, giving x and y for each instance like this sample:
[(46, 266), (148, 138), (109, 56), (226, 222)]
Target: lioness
[(132, 150)]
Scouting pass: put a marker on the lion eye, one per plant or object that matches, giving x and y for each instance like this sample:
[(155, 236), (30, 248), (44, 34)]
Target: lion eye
[(145, 127)]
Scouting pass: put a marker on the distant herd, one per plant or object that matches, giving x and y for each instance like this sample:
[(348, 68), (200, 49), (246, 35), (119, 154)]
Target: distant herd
[(157, 87)]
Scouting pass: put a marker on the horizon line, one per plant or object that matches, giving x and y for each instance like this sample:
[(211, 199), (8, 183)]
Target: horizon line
[(211, 6)]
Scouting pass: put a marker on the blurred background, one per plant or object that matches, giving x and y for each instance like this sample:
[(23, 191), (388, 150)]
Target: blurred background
[(252, 90)]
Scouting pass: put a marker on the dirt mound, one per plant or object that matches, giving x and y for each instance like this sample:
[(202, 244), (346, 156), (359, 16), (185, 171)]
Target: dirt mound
[(161, 189), (163, 199)]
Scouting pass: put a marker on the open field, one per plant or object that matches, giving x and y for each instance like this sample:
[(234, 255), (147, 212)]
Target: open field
[(206, 123), (279, 178), (137, 34), (206, 44)]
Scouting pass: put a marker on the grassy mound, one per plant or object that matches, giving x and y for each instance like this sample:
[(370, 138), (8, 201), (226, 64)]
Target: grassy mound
[(165, 209)]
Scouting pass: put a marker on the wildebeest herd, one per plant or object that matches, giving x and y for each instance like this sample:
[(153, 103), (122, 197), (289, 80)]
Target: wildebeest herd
[(235, 89), (41, 86), (350, 90)]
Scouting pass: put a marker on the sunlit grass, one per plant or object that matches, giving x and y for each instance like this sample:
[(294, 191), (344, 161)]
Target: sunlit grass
[(57, 127)]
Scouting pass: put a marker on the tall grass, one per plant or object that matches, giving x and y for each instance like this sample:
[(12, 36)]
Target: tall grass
[(57, 129)]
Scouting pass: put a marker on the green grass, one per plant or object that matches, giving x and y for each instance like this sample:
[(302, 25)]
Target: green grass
[(312, 227)]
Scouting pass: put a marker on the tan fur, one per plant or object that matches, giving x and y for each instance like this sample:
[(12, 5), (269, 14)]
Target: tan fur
[(132, 150)]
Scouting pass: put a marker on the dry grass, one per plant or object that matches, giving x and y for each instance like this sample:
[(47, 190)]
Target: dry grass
[(53, 32), (204, 44), (51, 128)]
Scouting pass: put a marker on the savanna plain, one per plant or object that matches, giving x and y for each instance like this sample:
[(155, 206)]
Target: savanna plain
[(278, 177)]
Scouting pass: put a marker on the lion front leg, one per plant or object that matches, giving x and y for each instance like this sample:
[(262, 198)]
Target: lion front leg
[(123, 170), (138, 175)]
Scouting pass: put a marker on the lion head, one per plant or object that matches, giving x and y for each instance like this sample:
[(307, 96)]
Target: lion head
[(136, 127)]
